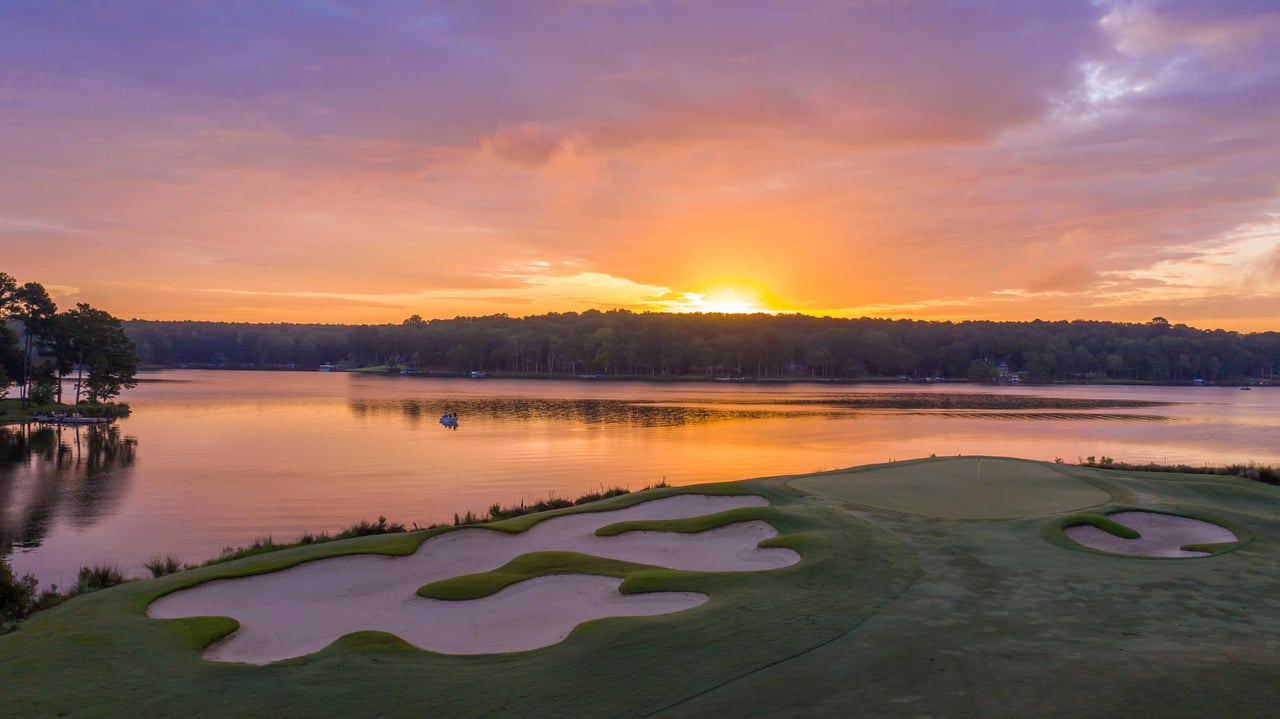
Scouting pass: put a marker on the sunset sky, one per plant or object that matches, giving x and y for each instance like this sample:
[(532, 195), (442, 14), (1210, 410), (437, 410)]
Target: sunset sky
[(360, 162)]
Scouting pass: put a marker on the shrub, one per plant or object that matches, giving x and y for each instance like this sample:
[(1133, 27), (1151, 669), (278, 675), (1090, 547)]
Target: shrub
[(365, 528), (160, 566), (99, 576), (17, 596), (50, 597)]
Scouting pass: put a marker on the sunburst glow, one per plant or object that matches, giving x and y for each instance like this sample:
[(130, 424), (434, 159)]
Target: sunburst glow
[(727, 301)]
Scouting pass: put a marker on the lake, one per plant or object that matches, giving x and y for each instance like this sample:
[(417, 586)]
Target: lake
[(214, 459)]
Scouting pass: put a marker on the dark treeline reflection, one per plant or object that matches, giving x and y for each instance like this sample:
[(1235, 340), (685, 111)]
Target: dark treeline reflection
[(644, 413), (583, 411), (962, 401), (78, 472)]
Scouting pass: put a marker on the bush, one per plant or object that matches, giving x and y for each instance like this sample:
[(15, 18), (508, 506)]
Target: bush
[(160, 566), (97, 577), (17, 596), (49, 598), (366, 528)]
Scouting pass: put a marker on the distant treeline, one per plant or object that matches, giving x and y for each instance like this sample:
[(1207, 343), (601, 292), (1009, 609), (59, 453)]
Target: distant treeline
[(621, 343)]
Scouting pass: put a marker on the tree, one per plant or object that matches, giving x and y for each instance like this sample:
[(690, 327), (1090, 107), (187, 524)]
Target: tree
[(17, 596), (8, 287), (100, 349), (10, 350), (32, 305), (10, 359)]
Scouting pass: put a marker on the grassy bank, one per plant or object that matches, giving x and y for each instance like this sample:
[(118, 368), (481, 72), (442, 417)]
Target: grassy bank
[(12, 411)]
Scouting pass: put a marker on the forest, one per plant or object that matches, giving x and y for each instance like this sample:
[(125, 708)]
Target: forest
[(620, 343)]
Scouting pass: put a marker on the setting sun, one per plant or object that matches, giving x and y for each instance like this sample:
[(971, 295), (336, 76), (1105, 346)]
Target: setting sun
[(727, 300)]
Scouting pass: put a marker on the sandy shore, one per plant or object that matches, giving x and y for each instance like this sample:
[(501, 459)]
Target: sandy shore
[(1163, 535), (303, 609)]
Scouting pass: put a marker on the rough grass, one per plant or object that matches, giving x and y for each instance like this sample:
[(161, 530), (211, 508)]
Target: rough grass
[(162, 565)]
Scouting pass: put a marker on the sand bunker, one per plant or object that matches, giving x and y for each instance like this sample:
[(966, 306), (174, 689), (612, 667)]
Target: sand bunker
[(1163, 535), (303, 609)]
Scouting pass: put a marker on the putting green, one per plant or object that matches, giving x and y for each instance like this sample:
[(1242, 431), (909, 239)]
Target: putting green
[(958, 488)]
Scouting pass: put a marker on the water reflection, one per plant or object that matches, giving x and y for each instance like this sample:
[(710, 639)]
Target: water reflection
[(78, 473), (579, 411), (236, 455), (657, 413), (1050, 416)]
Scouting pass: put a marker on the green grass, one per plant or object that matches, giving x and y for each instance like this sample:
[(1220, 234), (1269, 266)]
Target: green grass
[(539, 564), (519, 524), (956, 487), (98, 655), (12, 411), (889, 614), (688, 525), (1101, 521)]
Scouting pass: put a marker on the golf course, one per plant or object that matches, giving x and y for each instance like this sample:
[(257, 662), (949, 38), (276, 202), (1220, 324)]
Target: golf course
[(939, 587)]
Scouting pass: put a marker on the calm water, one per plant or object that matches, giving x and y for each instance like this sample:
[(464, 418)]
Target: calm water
[(212, 459)]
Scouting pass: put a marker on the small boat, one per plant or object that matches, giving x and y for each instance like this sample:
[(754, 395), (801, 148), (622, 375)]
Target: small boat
[(1246, 388), (449, 419)]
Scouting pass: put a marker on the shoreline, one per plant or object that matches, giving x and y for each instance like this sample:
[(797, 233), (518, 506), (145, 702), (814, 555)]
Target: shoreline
[(382, 371)]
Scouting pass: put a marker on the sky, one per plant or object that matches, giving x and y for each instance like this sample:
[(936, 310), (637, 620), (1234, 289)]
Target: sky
[(363, 161)]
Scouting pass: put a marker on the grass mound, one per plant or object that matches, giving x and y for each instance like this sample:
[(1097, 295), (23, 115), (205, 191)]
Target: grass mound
[(958, 487), (535, 564), (1101, 521), (689, 525)]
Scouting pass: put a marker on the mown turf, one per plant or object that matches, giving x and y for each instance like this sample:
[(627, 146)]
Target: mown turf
[(1092, 519), (687, 525), (958, 488), (98, 655), (540, 564), (1004, 624), (889, 614)]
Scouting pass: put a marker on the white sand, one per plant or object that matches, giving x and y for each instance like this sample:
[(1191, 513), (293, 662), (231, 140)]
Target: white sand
[(303, 609), (1163, 535)]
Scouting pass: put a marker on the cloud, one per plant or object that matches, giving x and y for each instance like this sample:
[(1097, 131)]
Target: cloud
[(921, 158), (528, 144)]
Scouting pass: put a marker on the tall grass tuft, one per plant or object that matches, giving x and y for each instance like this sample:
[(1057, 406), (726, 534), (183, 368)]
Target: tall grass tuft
[(364, 528), (162, 565), (1257, 472), (99, 576)]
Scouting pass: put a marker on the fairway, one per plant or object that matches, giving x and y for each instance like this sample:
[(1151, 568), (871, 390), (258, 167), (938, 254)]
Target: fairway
[(958, 488)]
